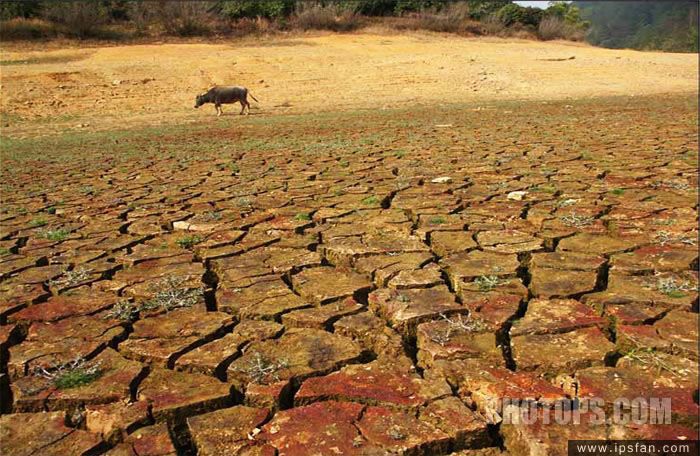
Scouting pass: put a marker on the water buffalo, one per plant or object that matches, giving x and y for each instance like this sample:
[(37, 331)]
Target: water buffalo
[(225, 94)]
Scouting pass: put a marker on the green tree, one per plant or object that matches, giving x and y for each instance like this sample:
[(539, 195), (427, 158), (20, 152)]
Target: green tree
[(13, 9), (271, 9), (513, 13)]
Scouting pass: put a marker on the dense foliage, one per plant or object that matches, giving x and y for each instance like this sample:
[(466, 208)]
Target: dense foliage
[(661, 25), (669, 26)]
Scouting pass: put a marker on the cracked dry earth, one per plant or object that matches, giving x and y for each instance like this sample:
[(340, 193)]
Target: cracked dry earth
[(350, 283)]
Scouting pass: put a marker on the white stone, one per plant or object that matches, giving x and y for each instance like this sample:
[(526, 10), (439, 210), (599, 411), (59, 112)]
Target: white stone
[(517, 196)]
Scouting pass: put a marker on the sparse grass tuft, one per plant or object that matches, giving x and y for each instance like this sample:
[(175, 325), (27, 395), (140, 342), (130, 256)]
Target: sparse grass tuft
[(55, 235), (671, 288), (37, 221), (617, 191), (244, 202), (211, 216), (456, 324), (370, 200), (188, 242), (577, 221), (664, 237), (72, 374), (439, 220), (123, 311), (646, 355), (263, 370), (547, 188), (170, 294), (403, 298), (302, 216), (567, 202), (487, 283), (72, 277), (396, 433), (234, 168)]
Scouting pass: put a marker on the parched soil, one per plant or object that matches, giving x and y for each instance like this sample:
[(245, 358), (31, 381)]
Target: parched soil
[(99, 88), (350, 281)]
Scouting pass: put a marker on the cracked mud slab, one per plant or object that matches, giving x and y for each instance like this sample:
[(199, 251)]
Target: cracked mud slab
[(349, 283)]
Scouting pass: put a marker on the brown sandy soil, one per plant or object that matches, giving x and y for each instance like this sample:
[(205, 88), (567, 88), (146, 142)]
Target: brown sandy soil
[(122, 86)]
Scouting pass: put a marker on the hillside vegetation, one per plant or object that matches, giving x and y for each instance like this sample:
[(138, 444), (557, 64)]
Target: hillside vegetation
[(120, 19), (668, 26), (647, 25)]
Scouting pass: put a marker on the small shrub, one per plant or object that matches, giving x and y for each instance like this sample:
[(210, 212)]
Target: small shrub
[(81, 19), (185, 18), (334, 16), (268, 9), (24, 9), (27, 29), (553, 28), (513, 13)]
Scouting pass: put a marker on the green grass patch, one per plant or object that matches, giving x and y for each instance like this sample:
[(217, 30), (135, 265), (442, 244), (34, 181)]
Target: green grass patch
[(302, 216), (37, 221), (676, 294), (547, 188), (617, 191), (188, 242), (370, 200), (56, 235), (76, 377)]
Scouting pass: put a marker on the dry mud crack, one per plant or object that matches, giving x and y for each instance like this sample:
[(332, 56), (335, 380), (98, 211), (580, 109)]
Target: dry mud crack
[(349, 283)]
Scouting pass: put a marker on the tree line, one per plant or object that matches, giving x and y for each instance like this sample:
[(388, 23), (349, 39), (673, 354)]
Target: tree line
[(663, 25), (642, 25)]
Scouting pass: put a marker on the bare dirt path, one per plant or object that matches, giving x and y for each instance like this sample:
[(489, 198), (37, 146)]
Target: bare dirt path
[(46, 91)]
